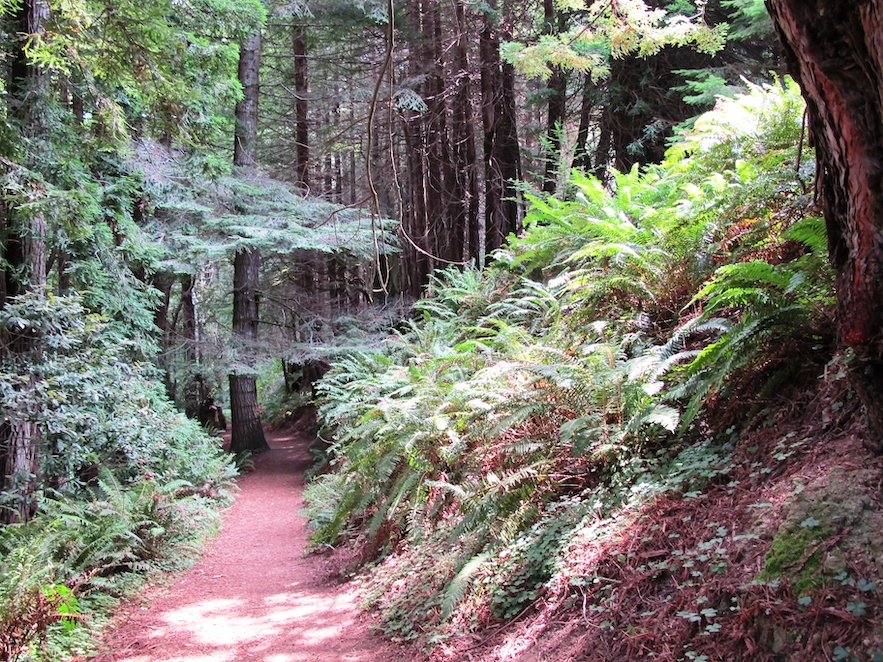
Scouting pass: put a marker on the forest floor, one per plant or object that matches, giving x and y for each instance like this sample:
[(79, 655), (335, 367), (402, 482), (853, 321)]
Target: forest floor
[(255, 594)]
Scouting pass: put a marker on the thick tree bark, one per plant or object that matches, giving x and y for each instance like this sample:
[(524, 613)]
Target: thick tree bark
[(246, 431), (192, 395), (416, 225), (581, 157), (163, 282), (301, 91), (439, 170), (246, 132), (24, 250), (502, 154), (464, 240), (835, 51)]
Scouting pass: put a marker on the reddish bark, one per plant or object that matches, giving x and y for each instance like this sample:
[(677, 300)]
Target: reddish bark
[(24, 251), (245, 144), (835, 51), (246, 431), (502, 154)]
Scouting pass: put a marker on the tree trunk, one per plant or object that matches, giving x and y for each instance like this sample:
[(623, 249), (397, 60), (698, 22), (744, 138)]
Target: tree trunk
[(24, 253), (554, 126), (835, 52), (557, 96), (301, 90), (247, 433), (439, 170), (163, 282), (191, 396), (581, 157), (502, 153), (462, 186), (246, 132), (415, 218)]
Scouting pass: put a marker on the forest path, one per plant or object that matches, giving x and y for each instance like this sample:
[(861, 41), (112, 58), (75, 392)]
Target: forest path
[(254, 595)]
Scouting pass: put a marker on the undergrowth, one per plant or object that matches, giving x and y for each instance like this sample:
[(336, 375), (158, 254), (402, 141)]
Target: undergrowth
[(541, 435), (128, 486)]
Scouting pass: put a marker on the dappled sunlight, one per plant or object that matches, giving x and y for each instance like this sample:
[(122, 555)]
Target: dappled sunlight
[(219, 656), (246, 629), (255, 597)]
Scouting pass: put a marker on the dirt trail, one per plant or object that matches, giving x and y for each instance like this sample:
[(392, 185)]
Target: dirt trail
[(253, 596)]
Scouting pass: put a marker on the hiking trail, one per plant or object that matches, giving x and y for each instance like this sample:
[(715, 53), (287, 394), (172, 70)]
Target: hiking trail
[(254, 595)]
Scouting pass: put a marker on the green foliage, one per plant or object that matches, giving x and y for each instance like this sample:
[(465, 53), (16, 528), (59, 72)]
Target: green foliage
[(30, 601), (602, 32), (94, 396), (526, 413), (170, 64), (64, 564), (92, 392)]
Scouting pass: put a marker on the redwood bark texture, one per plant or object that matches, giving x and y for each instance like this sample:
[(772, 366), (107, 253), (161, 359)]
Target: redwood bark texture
[(441, 216), (246, 132), (247, 434), (301, 90), (502, 155), (834, 49)]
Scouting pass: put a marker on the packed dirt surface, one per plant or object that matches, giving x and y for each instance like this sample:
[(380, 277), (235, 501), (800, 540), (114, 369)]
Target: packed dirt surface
[(254, 595)]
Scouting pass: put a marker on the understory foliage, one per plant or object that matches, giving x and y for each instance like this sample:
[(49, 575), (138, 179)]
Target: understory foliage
[(605, 361), (129, 485), (321, 263)]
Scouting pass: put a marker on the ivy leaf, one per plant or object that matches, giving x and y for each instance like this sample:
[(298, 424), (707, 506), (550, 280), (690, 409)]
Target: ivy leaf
[(810, 523)]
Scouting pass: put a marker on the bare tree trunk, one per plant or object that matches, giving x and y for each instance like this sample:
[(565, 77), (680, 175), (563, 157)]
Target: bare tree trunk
[(246, 136), (439, 170), (502, 153), (247, 434), (163, 282), (581, 153), (415, 220), (191, 395), (247, 431), (301, 90), (464, 242), (835, 52)]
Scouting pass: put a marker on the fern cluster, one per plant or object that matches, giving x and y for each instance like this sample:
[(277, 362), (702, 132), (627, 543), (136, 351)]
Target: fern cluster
[(536, 403)]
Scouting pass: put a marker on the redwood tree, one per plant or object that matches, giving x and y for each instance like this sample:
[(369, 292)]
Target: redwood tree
[(502, 154), (301, 90), (247, 434), (835, 51)]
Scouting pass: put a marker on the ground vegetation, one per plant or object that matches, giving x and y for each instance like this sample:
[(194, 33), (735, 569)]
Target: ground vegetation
[(599, 449)]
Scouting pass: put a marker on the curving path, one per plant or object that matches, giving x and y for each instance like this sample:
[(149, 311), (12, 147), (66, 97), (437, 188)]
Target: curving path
[(253, 596)]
